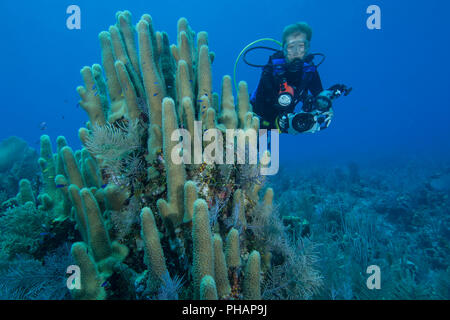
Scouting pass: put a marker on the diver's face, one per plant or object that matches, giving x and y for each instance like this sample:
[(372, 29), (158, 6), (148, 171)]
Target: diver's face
[(296, 47)]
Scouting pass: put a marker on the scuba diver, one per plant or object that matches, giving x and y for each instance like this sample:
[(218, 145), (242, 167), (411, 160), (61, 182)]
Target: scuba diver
[(291, 77)]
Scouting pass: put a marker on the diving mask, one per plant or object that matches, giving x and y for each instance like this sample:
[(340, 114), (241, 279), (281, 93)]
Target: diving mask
[(295, 52), (296, 46)]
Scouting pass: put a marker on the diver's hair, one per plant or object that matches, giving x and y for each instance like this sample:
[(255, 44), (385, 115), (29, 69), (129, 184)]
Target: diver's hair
[(297, 28)]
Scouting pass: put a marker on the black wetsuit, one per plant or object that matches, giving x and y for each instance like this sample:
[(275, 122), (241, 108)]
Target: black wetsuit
[(264, 99)]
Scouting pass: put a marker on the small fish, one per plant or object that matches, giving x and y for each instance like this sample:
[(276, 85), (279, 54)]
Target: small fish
[(169, 87), (43, 233), (155, 94), (156, 83), (43, 125), (104, 284), (96, 93), (51, 177), (62, 117), (61, 185), (190, 80), (199, 100), (77, 105), (93, 87), (104, 186), (121, 94), (206, 94), (45, 170)]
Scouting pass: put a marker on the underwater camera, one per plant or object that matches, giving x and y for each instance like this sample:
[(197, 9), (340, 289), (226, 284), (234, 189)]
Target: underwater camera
[(301, 122)]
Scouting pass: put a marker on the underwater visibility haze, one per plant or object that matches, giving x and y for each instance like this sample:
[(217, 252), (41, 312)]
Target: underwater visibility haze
[(111, 186)]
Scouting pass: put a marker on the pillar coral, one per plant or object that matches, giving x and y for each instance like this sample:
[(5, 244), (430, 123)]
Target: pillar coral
[(174, 218)]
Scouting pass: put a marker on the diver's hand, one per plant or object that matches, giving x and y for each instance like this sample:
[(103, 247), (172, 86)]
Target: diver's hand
[(339, 89), (324, 119)]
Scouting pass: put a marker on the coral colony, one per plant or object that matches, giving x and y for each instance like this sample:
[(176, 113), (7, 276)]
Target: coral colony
[(145, 225), (166, 199)]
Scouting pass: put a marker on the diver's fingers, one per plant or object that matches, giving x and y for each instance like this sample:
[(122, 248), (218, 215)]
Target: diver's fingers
[(128, 89)]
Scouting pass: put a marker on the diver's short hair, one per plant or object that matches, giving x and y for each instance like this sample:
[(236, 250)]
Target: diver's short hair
[(297, 28)]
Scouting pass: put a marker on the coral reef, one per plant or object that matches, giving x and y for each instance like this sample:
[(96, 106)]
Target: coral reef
[(17, 162), (389, 217), (146, 215), (30, 279), (143, 225)]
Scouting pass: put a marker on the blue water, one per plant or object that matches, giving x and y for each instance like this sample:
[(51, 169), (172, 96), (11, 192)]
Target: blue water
[(371, 189), (399, 74)]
